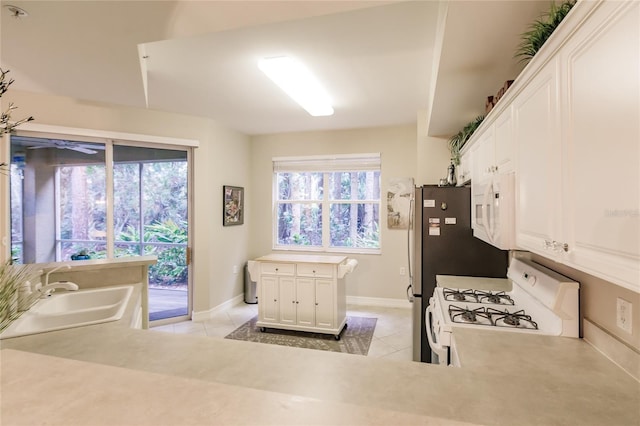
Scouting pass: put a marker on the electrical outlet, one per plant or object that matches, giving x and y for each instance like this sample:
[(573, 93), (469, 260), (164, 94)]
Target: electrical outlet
[(402, 270), (624, 315), (235, 269)]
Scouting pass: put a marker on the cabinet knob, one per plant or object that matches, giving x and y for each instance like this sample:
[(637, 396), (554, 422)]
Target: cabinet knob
[(314, 271), (316, 303), (276, 269), (297, 302)]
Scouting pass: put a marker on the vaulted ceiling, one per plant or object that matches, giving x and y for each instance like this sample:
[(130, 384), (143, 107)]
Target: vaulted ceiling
[(381, 61)]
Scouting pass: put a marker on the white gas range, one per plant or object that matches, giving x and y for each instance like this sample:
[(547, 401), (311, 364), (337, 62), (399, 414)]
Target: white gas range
[(541, 301)]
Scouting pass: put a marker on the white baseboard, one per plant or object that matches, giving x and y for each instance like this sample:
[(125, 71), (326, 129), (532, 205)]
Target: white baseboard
[(619, 353), (205, 315), (378, 301)]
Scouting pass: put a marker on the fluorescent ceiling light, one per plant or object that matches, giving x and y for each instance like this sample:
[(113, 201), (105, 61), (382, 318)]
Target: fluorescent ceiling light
[(297, 82)]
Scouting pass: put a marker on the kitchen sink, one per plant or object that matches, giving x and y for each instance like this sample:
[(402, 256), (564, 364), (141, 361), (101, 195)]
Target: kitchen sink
[(83, 300), (71, 309)]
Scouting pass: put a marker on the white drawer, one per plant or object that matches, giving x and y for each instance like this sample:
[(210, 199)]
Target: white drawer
[(278, 268), (315, 270)]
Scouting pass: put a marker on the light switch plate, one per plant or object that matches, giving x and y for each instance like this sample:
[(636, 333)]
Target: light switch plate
[(624, 315)]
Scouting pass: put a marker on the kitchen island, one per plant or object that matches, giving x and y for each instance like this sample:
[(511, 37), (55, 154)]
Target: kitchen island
[(205, 380)]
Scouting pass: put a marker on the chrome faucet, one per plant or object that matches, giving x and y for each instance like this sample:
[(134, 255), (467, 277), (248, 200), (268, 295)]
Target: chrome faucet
[(47, 289)]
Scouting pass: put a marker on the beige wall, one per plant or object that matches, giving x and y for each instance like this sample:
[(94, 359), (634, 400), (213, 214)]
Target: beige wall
[(377, 276), (598, 302), (222, 158), (432, 155)]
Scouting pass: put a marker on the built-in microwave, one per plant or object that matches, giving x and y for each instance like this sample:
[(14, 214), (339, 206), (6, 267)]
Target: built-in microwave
[(493, 210)]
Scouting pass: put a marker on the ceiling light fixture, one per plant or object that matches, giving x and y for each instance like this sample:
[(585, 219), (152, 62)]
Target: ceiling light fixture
[(297, 82), (16, 12)]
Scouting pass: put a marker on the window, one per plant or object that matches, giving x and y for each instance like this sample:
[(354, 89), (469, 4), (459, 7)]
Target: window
[(327, 203)]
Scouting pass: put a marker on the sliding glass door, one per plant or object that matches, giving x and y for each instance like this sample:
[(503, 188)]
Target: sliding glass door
[(150, 188), (68, 204)]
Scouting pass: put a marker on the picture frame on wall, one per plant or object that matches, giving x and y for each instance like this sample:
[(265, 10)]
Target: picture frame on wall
[(232, 205)]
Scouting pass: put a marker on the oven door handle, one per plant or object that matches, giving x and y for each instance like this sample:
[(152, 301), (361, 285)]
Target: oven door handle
[(435, 346)]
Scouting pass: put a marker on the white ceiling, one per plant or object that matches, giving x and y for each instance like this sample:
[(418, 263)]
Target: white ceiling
[(375, 58)]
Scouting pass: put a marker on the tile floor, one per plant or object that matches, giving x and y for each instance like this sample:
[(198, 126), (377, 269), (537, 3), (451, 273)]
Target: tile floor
[(391, 339)]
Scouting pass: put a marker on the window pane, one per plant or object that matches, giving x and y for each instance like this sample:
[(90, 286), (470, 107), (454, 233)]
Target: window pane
[(300, 224), (124, 250), (82, 203), (355, 225), (164, 192), (354, 185), (126, 203), (16, 212), (299, 186), (171, 269), (94, 250)]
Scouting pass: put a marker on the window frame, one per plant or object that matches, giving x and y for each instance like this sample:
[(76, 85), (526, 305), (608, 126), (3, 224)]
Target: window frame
[(326, 165)]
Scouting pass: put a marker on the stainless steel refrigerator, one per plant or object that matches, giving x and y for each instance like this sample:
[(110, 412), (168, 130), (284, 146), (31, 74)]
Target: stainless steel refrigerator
[(443, 244)]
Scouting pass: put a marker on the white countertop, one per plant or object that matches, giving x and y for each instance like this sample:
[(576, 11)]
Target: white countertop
[(521, 379), (302, 258), (86, 393)]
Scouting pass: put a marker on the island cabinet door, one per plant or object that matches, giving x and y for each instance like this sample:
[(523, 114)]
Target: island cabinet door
[(268, 301), (287, 291), (325, 304), (305, 302)]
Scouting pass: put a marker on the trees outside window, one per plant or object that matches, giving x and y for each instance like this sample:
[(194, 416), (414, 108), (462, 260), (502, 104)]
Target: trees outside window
[(150, 215), (327, 210)]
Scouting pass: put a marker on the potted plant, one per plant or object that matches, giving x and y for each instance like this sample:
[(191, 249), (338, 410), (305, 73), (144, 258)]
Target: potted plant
[(541, 29), (458, 140), (12, 277), (83, 254)]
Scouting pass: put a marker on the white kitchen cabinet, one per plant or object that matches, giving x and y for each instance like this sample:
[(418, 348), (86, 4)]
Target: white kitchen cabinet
[(302, 292), (463, 171), (576, 124), (268, 297), (484, 156), (535, 114), (601, 145), (504, 142)]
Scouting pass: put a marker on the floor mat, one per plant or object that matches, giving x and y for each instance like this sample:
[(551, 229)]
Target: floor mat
[(355, 339)]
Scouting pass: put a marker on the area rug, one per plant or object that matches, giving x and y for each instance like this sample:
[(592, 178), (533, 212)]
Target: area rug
[(355, 339)]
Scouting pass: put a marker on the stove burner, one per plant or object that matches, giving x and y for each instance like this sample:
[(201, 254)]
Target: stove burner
[(512, 319), (468, 316), (460, 295), (477, 296), (500, 298)]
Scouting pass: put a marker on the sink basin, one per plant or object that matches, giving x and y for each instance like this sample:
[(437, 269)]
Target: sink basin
[(71, 309), (82, 300)]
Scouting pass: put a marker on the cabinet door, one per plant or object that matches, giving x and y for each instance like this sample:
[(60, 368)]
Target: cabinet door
[(306, 301), (504, 143), (484, 157), (601, 109), (538, 180), (268, 301), (287, 292), (464, 169), (325, 303)]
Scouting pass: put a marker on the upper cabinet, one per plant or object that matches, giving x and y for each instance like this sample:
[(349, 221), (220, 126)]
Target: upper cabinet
[(570, 128), (600, 99), (538, 175)]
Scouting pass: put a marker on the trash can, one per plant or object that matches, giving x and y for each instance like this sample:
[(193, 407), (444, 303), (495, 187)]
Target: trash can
[(250, 296)]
